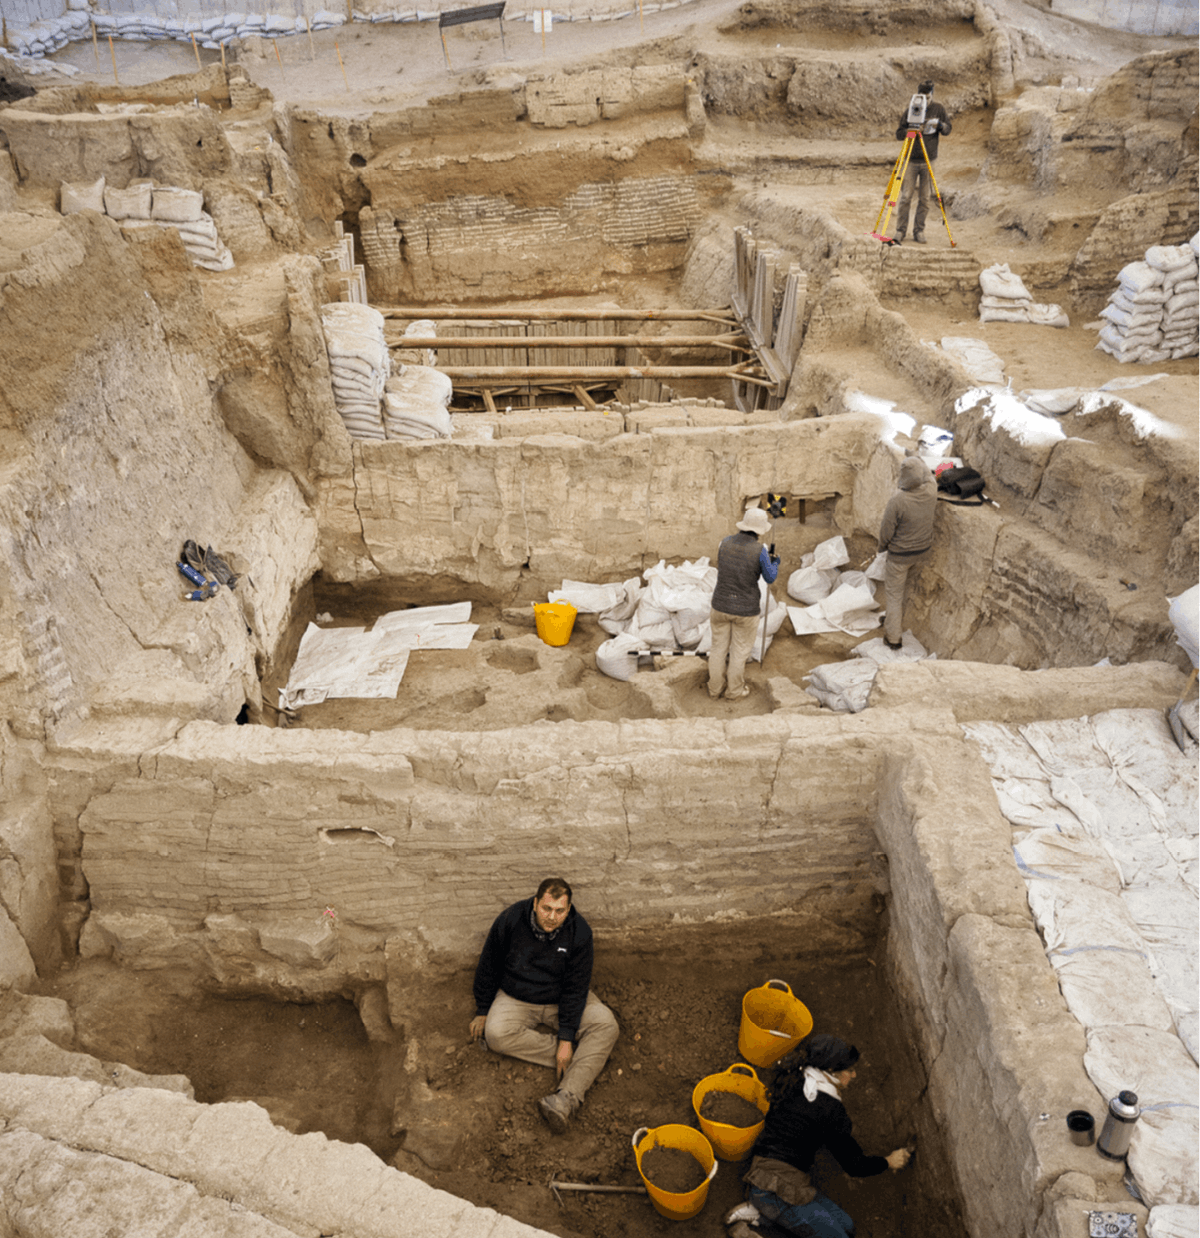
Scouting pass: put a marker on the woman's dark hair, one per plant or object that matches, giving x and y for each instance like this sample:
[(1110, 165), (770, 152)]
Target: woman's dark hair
[(827, 1053)]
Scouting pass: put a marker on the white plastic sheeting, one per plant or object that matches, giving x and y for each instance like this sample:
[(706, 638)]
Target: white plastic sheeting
[(1184, 613), (1105, 814), (845, 686), (351, 662), (1173, 1221)]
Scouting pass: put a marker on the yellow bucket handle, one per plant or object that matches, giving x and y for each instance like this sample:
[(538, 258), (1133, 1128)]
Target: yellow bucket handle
[(782, 983), (740, 1068), (712, 1172)]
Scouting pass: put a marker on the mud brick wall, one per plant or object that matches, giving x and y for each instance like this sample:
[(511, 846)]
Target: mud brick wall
[(432, 249), (222, 853)]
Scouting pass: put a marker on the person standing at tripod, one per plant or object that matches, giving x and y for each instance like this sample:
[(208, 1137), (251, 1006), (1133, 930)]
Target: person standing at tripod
[(919, 172)]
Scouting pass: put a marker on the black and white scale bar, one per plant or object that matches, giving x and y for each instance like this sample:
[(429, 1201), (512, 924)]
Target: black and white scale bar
[(666, 653)]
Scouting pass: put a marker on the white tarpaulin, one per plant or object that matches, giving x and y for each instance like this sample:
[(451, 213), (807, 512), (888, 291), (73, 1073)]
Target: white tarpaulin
[(1173, 1221), (849, 608), (350, 662), (1109, 861)]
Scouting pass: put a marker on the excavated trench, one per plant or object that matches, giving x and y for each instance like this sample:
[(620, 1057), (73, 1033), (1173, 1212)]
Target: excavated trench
[(713, 845)]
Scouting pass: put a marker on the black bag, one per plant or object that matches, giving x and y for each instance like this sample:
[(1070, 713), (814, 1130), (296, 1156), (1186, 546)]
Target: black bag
[(966, 485)]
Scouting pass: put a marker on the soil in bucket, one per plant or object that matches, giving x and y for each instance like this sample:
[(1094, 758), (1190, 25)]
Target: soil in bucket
[(730, 1109), (672, 1169)]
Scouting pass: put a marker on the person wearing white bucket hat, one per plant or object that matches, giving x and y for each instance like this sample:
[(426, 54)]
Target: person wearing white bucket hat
[(741, 560)]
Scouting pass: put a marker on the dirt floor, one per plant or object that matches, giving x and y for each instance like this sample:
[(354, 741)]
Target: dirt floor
[(510, 677), (434, 1095)]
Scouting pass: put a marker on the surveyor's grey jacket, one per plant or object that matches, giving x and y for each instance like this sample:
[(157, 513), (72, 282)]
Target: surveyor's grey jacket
[(907, 525)]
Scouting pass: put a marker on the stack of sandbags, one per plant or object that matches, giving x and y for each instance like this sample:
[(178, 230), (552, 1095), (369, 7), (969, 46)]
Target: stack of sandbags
[(1181, 309), (1152, 316), (359, 365), (416, 403), (1006, 299), (183, 210), (142, 204)]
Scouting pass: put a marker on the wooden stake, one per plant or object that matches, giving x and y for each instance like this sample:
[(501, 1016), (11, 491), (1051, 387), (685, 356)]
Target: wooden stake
[(641, 17), (543, 30), (222, 55), (444, 50), (312, 51), (345, 79), (197, 51), (278, 57), (113, 54), (95, 43)]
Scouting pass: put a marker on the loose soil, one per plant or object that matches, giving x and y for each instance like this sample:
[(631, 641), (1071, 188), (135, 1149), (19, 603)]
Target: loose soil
[(730, 1109), (434, 1094), (672, 1169)]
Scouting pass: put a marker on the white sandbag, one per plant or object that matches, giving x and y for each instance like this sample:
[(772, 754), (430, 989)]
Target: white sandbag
[(589, 599), (1180, 300), (877, 568), (1181, 275), (843, 686), (1169, 257), (1130, 298), (658, 635), (352, 367), (1184, 614), (421, 382), (1003, 315), (855, 579), (999, 281), (1143, 337), (224, 262), (402, 416), (810, 584), (1173, 1221), (1139, 276), (1048, 315), (615, 618), (1120, 353), (831, 554), (1125, 319), (176, 205), (1154, 1065), (345, 342), (131, 203), (76, 197), (1005, 303)]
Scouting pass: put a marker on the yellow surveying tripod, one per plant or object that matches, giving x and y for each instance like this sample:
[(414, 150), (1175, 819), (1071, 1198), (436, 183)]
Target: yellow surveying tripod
[(896, 181)]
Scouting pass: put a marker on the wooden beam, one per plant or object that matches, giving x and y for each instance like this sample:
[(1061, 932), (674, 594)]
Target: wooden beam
[(489, 403), (469, 374), (584, 399), (451, 312), (729, 341)]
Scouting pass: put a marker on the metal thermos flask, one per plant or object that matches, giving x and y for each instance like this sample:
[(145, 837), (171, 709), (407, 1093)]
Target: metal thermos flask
[(1118, 1126)]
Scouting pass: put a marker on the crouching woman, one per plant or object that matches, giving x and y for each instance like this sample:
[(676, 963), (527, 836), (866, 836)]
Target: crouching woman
[(806, 1114)]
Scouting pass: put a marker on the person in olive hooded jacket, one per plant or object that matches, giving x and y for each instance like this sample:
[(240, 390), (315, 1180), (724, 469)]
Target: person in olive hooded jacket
[(906, 534)]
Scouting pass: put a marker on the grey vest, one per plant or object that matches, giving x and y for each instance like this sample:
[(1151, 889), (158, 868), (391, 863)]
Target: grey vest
[(737, 575)]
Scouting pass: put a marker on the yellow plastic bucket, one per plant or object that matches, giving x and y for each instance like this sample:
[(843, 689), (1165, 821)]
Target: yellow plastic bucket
[(731, 1143), (554, 621), (676, 1206), (773, 1023)]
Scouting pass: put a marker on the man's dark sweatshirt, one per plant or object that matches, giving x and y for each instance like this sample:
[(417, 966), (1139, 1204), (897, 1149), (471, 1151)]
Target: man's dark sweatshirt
[(535, 967), (934, 112)]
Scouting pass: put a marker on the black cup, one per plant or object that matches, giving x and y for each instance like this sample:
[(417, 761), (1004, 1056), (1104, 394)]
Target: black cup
[(1082, 1127)]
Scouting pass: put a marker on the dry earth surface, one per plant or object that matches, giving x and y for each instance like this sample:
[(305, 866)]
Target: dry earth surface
[(312, 1066)]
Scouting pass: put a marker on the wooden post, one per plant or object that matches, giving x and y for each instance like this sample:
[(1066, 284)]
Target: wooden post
[(197, 51), (95, 44), (113, 54), (337, 49), (445, 53), (278, 57), (222, 54), (312, 51)]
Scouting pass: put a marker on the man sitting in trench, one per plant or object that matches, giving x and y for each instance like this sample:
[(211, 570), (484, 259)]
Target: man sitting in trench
[(532, 996)]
